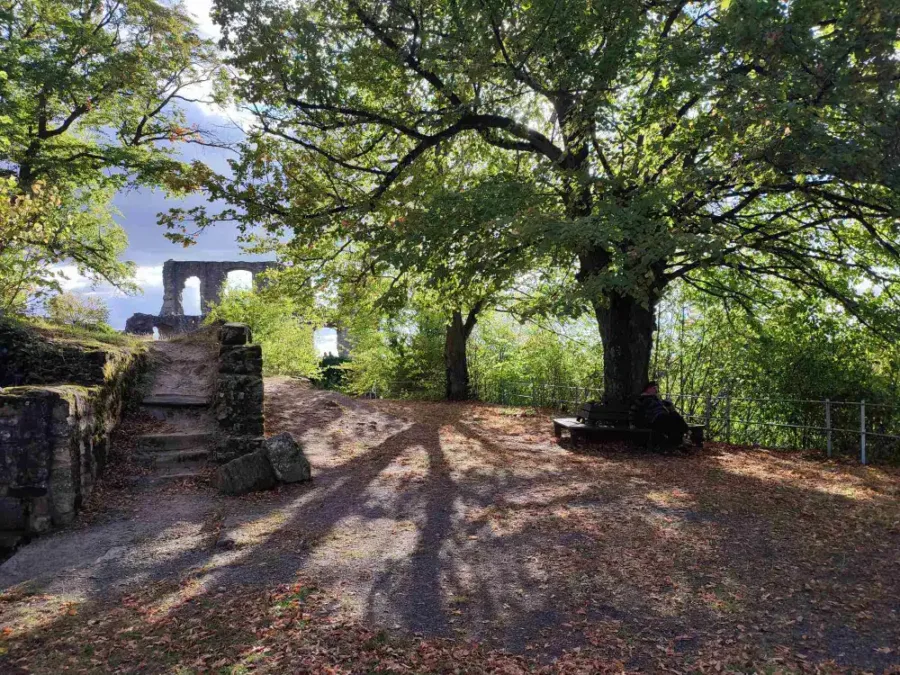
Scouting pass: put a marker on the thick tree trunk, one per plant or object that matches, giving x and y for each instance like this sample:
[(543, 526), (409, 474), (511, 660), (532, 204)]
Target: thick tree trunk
[(626, 329), (455, 359)]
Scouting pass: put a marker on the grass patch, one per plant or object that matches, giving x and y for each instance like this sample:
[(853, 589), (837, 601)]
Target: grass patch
[(81, 334)]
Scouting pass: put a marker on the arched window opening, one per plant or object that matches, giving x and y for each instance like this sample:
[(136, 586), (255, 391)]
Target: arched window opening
[(239, 280), (190, 296), (155, 333), (325, 340)]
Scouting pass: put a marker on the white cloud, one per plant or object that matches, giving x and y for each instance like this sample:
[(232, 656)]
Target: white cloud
[(71, 280), (148, 276), (201, 10), (145, 276)]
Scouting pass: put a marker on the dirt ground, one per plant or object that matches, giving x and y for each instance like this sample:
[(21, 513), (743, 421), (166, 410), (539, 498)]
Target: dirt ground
[(442, 537)]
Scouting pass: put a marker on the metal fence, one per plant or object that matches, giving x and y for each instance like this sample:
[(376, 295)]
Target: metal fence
[(868, 431)]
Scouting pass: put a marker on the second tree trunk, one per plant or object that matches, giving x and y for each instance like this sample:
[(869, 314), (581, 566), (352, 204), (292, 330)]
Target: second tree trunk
[(455, 360)]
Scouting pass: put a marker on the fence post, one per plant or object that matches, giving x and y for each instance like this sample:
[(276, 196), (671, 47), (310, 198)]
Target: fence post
[(728, 418), (707, 414), (828, 424), (862, 431), (533, 394)]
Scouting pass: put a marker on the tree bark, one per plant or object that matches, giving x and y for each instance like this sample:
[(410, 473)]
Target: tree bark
[(455, 358), (626, 329)]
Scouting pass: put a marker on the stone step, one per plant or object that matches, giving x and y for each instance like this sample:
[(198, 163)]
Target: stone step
[(172, 472), (196, 419), (176, 401), (174, 441), (167, 457), (163, 478)]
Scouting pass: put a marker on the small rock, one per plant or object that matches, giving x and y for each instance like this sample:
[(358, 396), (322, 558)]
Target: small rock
[(112, 554), (245, 474), (287, 459), (235, 334)]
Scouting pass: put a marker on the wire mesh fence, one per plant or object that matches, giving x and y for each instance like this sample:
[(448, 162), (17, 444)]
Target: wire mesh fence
[(868, 431)]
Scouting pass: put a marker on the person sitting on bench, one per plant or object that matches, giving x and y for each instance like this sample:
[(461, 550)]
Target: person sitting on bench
[(651, 412)]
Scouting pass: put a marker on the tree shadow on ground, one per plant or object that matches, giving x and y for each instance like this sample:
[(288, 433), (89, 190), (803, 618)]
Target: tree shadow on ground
[(440, 528)]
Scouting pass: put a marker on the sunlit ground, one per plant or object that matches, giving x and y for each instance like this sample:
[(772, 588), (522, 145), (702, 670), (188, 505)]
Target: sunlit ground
[(460, 536)]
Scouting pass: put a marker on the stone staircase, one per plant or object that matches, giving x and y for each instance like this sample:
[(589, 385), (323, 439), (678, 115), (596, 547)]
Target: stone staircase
[(175, 455), (180, 398)]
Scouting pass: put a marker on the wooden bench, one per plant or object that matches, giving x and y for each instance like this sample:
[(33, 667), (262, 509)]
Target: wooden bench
[(579, 431)]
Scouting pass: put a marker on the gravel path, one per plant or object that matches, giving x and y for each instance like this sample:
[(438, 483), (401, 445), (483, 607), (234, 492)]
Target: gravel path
[(472, 521)]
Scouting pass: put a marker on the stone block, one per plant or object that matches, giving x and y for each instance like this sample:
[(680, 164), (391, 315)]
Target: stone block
[(235, 334), (240, 360), (12, 514), (239, 405), (287, 459), (230, 447), (39, 515), (246, 474)]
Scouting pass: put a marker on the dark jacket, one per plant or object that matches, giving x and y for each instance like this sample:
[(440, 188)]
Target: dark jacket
[(646, 408)]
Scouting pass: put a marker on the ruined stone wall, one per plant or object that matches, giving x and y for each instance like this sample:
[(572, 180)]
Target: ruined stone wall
[(212, 276), (54, 438), (169, 325), (28, 358), (171, 319), (239, 393)]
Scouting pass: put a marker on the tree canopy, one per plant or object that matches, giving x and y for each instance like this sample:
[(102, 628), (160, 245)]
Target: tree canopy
[(722, 144), (91, 101), (91, 86), (41, 228)]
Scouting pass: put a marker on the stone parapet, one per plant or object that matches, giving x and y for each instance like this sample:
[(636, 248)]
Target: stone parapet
[(54, 438), (239, 393), (28, 358), (168, 325)]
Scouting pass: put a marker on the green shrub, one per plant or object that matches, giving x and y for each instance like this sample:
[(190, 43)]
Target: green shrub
[(71, 309), (277, 325), (332, 369)]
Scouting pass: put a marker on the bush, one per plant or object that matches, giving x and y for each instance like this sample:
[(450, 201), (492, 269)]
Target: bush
[(287, 341), (69, 309), (332, 371), (403, 354)]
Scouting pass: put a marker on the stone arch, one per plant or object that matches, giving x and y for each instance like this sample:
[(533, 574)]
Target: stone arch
[(212, 277)]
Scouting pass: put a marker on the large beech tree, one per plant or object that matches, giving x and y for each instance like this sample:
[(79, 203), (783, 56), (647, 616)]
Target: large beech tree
[(718, 143)]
